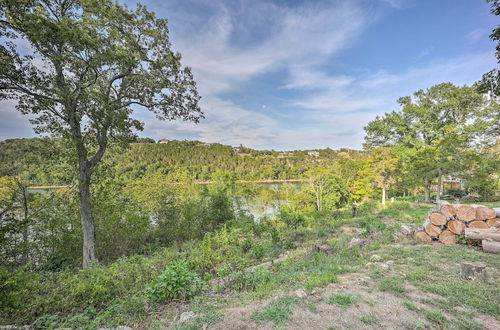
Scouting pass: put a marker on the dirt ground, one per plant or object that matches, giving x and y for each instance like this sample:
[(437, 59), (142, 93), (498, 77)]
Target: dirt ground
[(389, 309)]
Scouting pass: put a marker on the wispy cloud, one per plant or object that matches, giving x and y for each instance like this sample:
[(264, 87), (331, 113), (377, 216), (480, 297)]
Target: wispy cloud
[(233, 46)]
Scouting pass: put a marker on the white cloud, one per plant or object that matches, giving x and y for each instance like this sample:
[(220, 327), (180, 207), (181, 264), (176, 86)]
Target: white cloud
[(475, 35)]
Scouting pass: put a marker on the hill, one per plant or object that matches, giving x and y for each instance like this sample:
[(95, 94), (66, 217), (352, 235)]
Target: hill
[(46, 159)]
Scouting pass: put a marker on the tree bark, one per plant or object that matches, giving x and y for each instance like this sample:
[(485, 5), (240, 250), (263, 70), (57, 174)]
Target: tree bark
[(427, 191), (86, 214), (483, 234), (438, 194), (491, 247)]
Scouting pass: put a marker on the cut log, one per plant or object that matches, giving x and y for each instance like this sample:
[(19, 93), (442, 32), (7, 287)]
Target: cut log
[(493, 222), (447, 237), (423, 237), (466, 212), (456, 227), (473, 270), (432, 230), (491, 246), (437, 219), (484, 213), (448, 210), (477, 233), (478, 224)]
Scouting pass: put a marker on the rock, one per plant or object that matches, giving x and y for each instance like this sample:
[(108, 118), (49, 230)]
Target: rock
[(120, 327), (375, 258), (407, 230), (385, 266), (300, 293), (389, 262), (186, 317), (325, 248), (473, 270), (356, 242)]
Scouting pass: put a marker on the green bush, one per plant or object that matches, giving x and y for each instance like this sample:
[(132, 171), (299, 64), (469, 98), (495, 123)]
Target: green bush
[(293, 219), (371, 225), (247, 280), (176, 282), (401, 205)]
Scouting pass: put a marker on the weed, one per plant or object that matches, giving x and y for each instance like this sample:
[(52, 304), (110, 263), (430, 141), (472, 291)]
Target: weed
[(392, 285), (277, 312), (410, 306), (312, 307), (435, 316), (176, 282), (343, 300), (370, 318), (468, 324)]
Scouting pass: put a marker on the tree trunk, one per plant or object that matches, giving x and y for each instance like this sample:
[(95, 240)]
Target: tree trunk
[(383, 195), (86, 214), (438, 194), (491, 247), (483, 234), (24, 197), (427, 191)]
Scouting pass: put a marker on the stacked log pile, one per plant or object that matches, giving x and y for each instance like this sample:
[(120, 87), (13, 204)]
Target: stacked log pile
[(445, 222)]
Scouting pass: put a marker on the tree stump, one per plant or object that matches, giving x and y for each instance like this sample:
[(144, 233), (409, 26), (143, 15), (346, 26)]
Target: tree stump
[(478, 224), (485, 213), (447, 237), (437, 219), (423, 237), (466, 212), (491, 246), (456, 227), (493, 222), (448, 210), (432, 230), (473, 270)]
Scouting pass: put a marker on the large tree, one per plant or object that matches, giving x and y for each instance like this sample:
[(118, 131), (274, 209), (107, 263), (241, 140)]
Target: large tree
[(77, 67), (436, 125)]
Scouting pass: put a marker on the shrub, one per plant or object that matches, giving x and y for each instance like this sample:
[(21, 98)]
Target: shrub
[(401, 205), (247, 280), (293, 219), (176, 282), (371, 225)]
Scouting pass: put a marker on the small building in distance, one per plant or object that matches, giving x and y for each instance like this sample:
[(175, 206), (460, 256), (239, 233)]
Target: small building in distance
[(164, 141), (285, 154), (203, 144), (313, 153)]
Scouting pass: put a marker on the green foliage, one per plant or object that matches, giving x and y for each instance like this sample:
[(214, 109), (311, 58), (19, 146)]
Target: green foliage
[(371, 225), (176, 282), (247, 280), (277, 312)]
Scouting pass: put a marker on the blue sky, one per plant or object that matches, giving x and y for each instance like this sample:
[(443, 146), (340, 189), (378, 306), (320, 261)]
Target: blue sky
[(310, 74)]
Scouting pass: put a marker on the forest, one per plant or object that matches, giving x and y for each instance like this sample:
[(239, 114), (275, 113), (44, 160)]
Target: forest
[(100, 228)]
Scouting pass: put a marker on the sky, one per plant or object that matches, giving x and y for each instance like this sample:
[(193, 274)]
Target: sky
[(291, 74)]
